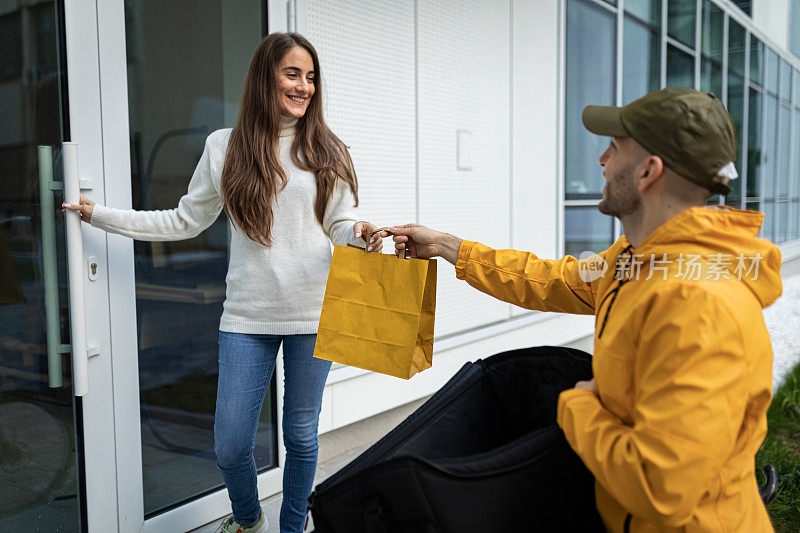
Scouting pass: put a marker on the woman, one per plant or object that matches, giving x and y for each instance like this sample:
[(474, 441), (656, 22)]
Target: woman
[(288, 186)]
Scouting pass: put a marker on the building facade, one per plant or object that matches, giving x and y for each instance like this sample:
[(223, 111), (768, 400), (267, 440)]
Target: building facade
[(463, 115)]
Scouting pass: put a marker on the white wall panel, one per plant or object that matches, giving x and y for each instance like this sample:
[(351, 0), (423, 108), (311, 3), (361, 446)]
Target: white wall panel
[(463, 49), (535, 127), (366, 51)]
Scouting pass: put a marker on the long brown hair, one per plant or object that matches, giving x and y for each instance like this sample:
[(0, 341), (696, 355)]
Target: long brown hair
[(252, 174)]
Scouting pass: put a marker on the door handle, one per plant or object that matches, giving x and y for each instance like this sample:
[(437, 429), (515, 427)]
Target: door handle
[(49, 265), (77, 306)]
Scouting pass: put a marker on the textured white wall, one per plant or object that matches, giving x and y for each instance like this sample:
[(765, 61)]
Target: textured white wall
[(366, 52), (401, 78), (398, 88), (535, 119), (464, 54), (772, 18)]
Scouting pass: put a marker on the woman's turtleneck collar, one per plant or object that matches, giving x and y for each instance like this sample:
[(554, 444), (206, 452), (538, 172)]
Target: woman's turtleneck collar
[(288, 126)]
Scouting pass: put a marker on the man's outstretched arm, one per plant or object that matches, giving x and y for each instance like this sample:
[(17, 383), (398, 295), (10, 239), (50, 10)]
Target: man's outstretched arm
[(520, 278)]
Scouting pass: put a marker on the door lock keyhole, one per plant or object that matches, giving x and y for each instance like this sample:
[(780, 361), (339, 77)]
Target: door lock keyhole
[(92, 269)]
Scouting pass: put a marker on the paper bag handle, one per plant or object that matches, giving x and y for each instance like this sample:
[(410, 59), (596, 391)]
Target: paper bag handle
[(369, 238)]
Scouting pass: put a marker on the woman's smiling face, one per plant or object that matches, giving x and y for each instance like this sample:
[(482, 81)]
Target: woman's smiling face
[(295, 82)]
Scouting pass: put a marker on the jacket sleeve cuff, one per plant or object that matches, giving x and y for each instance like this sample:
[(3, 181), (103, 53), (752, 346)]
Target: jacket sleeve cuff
[(572, 394), (463, 256)]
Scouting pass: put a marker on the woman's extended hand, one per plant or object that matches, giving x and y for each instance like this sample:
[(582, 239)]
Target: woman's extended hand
[(364, 229), (85, 207)]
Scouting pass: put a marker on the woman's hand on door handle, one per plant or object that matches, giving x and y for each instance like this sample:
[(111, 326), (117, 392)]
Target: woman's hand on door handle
[(86, 207)]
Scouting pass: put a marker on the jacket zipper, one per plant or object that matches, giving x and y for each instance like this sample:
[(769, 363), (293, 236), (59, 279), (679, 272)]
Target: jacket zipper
[(615, 291)]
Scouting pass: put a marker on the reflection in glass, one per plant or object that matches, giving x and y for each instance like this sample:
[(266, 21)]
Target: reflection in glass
[(736, 109), (11, 44), (681, 16), (712, 31), (767, 230), (786, 80), (784, 131), (181, 87), (648, 11), (589, 80), (795, 193), (711, 77), (756, 60), (736, 44), (796, 86), (745, 5), (782, 214), (39, 470), (586, 229), (680, 68), (755, 163), (770, 146), (640, 60), (771, 71)]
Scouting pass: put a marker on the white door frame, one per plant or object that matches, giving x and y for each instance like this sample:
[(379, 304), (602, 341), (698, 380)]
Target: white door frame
[(83, 96), (123, 445)]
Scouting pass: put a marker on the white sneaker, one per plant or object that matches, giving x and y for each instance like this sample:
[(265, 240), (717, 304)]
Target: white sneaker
[(229, 525)]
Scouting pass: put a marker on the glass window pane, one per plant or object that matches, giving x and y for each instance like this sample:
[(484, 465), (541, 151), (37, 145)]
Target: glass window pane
[(795, 229), (784, 153), (680, 68), (181, 88), (646, 10), (711, 77), (640, 60), (781, 231), (745, 5), (756, 60), (591, 36), (769, 217), (786, 80), (736, 109), (755, 163), (712, 30), (796, 88), (736, 40), (681, 16), (586, 229), (733, 201), (796, 149), (770, 145), (771, 71), (40, 474), (11, 44)]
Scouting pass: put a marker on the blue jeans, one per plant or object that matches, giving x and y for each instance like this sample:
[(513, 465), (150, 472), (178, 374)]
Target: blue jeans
[(246, 363)]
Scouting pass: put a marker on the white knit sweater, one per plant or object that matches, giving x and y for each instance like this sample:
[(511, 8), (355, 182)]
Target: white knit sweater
[(278, 289)]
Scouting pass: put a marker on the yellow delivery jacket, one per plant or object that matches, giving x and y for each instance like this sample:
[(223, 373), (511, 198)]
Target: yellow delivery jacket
[(682, 365)]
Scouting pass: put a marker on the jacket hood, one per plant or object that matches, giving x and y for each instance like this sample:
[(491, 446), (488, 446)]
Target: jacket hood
[(708, 231)]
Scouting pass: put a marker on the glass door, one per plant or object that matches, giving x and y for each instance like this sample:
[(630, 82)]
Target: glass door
[(186, 63), (174, 73), (40, 443)]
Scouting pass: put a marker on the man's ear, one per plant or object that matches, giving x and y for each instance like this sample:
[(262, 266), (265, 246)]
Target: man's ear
[(650, 171)]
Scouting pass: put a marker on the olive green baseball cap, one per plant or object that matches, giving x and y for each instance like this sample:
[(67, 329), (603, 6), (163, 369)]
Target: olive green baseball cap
[(690, 131)]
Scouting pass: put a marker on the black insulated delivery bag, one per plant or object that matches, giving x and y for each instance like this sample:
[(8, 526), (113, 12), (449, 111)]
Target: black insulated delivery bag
[(483, 455)]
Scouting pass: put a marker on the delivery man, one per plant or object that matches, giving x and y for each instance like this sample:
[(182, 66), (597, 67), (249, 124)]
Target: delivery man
[(672, 420)]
